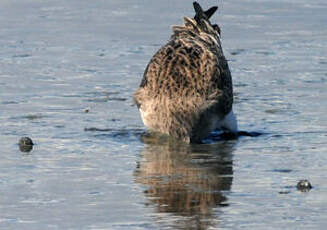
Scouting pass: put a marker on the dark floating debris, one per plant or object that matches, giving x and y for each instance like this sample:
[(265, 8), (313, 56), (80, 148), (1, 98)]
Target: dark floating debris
[(25, 144), (304, 186), (86, 110), (25, 141)]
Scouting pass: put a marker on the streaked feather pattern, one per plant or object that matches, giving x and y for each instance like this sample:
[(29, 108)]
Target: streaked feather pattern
[(187, 87)]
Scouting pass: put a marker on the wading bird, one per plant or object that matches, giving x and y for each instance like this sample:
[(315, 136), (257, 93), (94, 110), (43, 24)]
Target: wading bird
[(186, 91)]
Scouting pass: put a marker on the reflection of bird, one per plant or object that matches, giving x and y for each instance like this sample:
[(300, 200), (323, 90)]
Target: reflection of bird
[(186, 180), (187, 91)]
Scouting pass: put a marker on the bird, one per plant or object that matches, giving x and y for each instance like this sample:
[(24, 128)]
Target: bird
[(187, 90)]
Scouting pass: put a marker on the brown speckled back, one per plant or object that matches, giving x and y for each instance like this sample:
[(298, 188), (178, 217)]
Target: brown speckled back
[(187, 83)]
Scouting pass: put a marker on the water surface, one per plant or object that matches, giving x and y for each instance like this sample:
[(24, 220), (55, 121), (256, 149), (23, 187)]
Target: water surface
[(68, 70)]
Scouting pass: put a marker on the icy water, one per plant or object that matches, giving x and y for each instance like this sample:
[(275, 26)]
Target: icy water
[(68, 70)]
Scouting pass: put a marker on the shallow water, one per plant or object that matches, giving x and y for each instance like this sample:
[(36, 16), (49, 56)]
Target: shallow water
[(67, 73)]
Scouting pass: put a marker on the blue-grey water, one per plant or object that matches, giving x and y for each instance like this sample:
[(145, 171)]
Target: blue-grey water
[(68, 70)]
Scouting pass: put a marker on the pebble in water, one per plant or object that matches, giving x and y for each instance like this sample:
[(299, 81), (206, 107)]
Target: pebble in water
[(25, 144), (304, 186)]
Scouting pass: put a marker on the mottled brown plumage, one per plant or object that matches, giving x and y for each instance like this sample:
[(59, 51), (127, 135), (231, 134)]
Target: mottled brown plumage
[(186, 91)]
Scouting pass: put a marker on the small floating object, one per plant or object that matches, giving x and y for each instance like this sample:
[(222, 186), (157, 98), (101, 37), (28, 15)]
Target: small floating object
[(25, 144), (304, 185), (86, 110)]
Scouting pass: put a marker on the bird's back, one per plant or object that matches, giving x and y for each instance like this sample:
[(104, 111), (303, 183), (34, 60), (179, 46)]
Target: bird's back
[(186, 85)]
